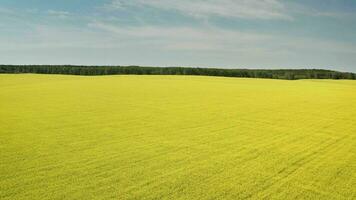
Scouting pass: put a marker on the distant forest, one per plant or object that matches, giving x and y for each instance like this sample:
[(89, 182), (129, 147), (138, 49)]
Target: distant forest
[(289, 74)]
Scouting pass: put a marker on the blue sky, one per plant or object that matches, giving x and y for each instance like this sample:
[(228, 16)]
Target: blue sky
[(204, 33)]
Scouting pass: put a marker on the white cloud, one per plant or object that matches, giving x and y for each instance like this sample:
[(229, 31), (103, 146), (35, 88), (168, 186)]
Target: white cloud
[(157, 45), (248, 9), (175, 44), (184, 38), (6, 11), (219, 40), (303, 10), (59, 13)]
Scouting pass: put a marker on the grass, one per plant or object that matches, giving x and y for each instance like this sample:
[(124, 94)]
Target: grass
[(176, 137)]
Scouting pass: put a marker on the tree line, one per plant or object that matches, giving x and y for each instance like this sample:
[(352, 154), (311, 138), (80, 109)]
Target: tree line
[(289, 74)]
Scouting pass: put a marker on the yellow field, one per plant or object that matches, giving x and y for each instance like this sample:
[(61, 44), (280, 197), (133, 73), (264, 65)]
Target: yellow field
[(176, 137)]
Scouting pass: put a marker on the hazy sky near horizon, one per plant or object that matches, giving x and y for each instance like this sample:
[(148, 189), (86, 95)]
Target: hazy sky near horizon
[(204, 33)]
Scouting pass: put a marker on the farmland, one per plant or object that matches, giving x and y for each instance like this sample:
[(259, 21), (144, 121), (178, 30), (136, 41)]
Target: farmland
[(176, 137)]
